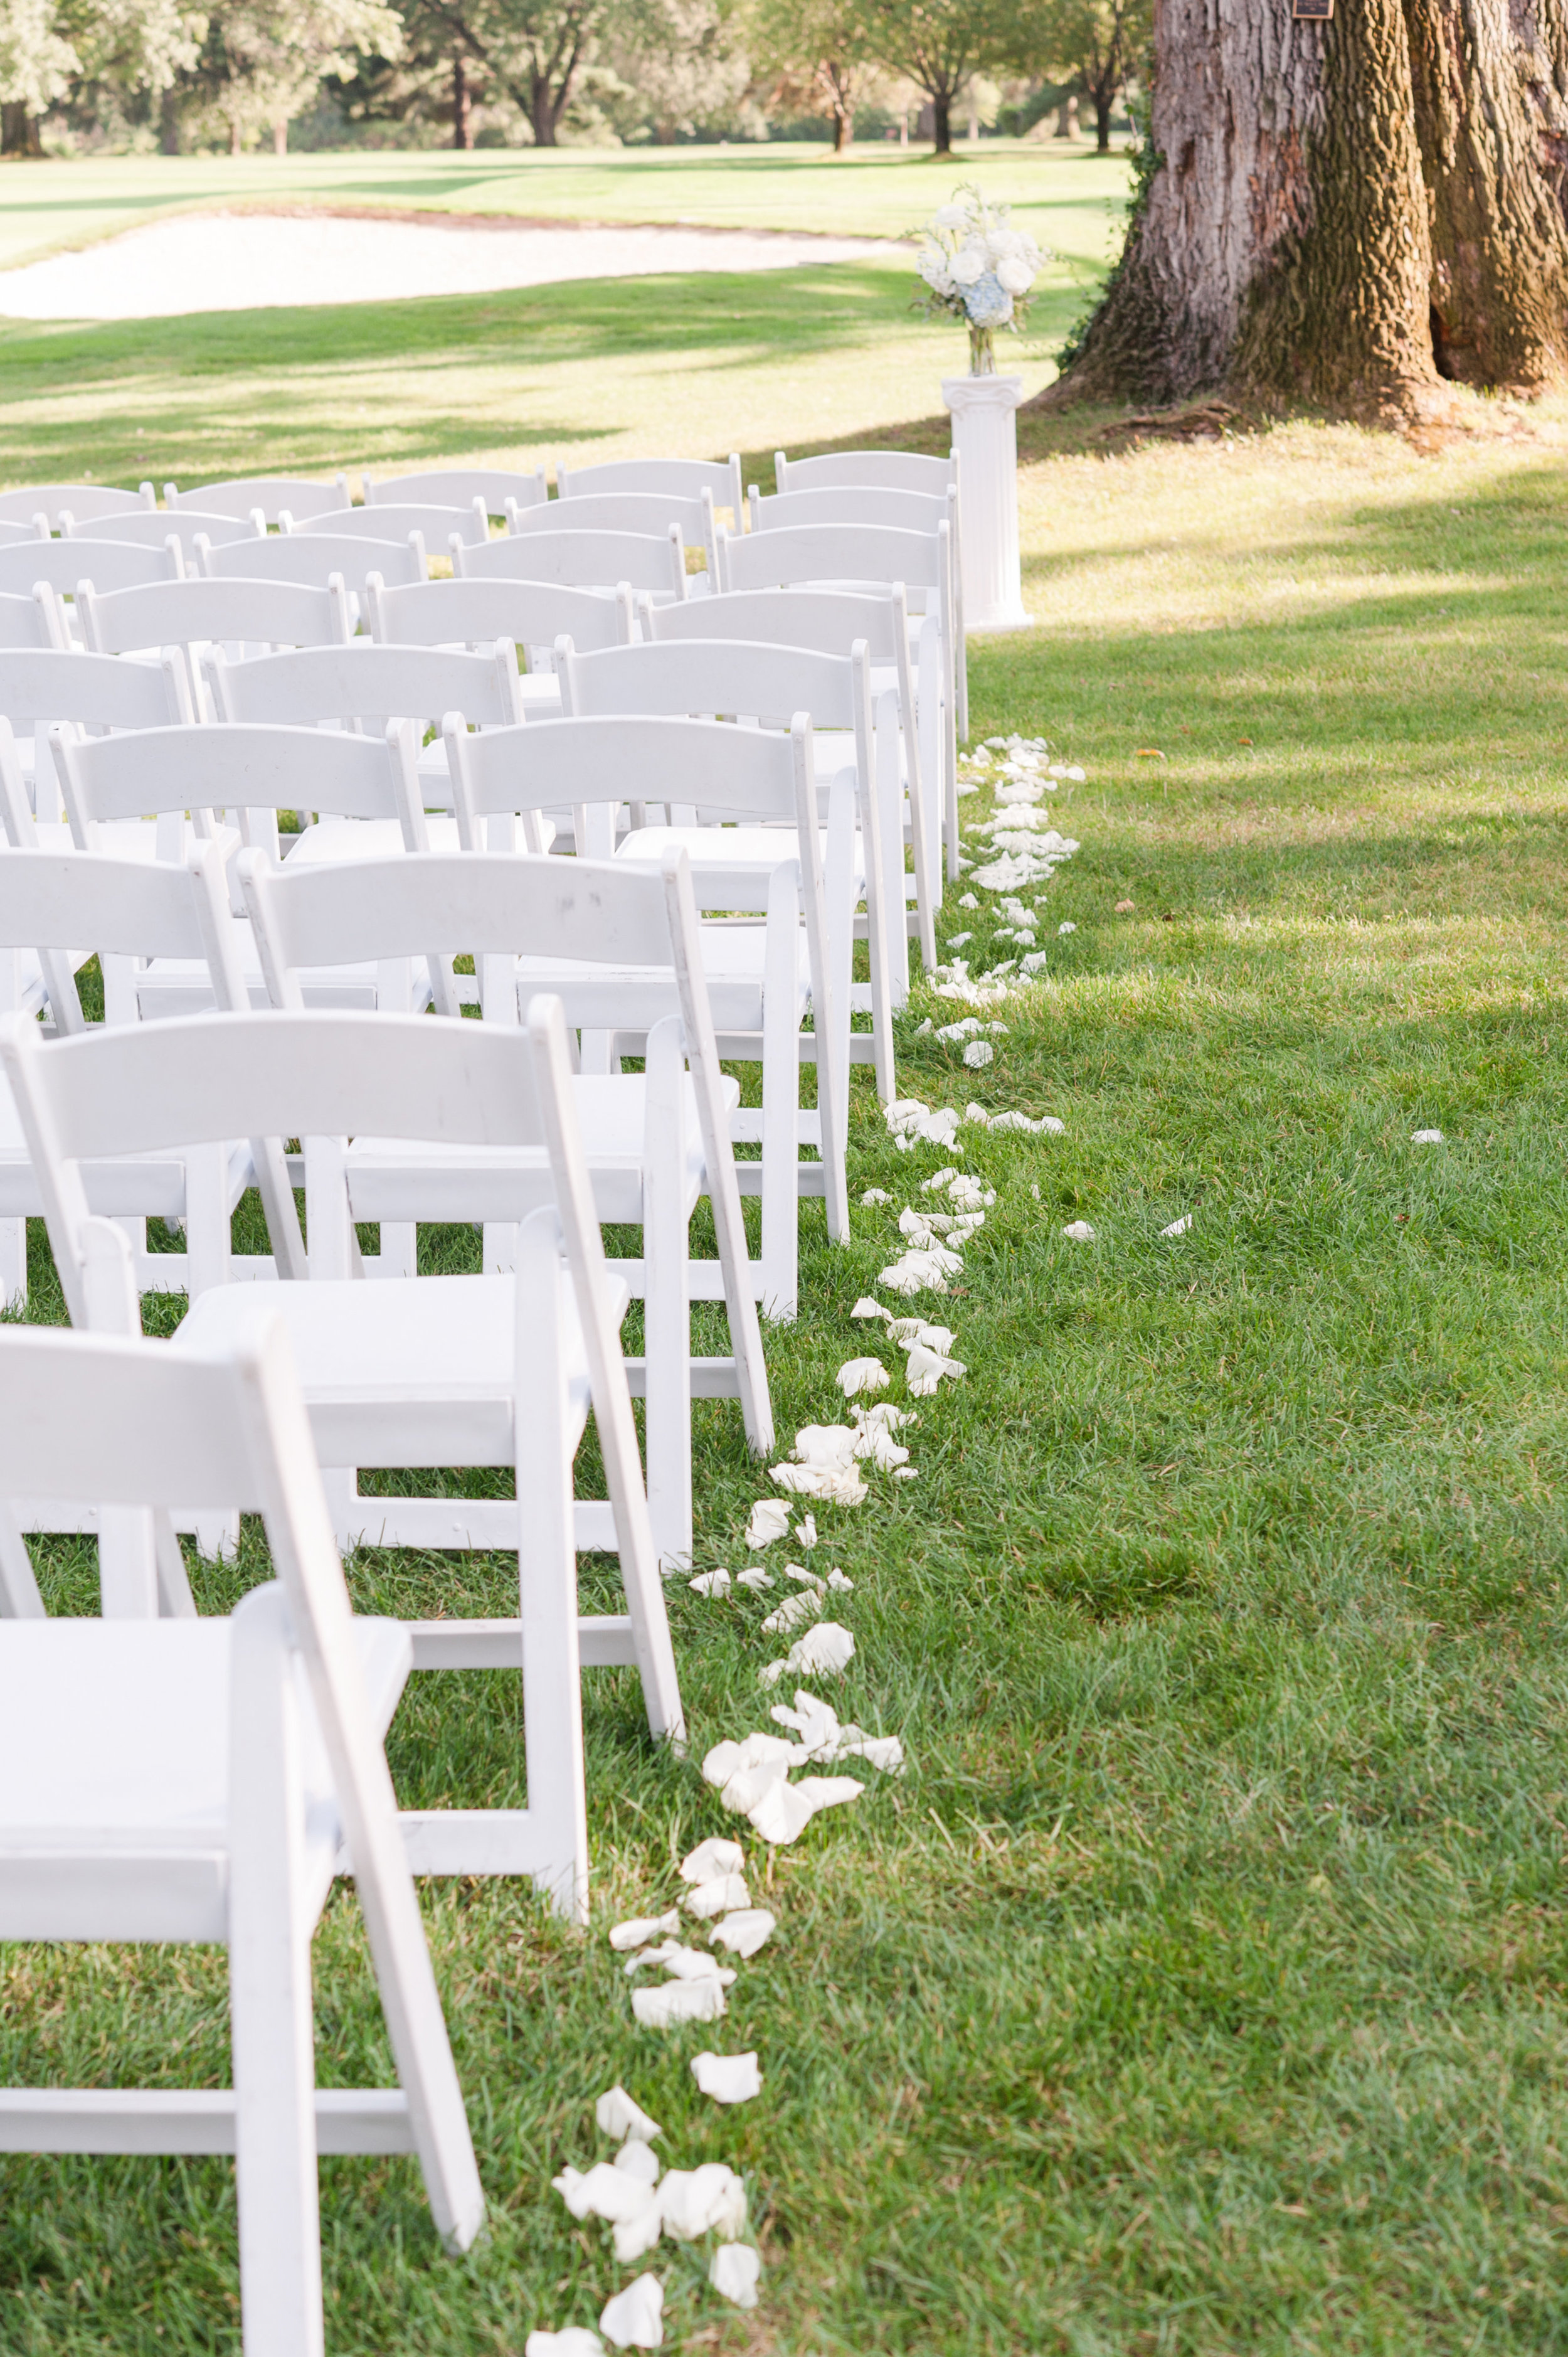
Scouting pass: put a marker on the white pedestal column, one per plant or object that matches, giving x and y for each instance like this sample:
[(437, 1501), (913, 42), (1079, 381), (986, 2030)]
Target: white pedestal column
[(985, 437)]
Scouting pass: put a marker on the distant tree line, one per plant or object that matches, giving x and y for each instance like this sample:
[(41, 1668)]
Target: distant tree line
[(83, 76)]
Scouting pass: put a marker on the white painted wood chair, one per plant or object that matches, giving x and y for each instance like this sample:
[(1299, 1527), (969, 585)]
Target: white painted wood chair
[(822, 555), (901, 470), (830, 621), (476, 614), (460, 487), (83, 499), (765, 973), (621, 949), (51, 902), (313, 557), (41, 688), (687, 478), (649, 512), (10, 533), (152, 527), (362, 686), (245, 617), (758, 684), (465, 1370), (576, 559), (206, 1780), (32, 620), (109, 564), (271, 493), (434, 522)]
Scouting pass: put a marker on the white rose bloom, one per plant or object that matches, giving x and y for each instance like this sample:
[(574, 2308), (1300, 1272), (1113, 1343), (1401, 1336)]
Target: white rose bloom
[(1015, 276), (934, 270), (1002, 244), (950, 217), (968, 265)]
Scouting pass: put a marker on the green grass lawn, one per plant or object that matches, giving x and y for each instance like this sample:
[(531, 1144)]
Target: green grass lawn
[(1203, 1986), (1063, 192)]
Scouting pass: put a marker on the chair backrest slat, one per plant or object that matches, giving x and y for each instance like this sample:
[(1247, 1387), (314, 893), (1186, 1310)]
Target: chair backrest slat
[(266, 613), (828, 619), (687, 478), (271, 493), (825, 552), (33, 621), (83, 499), (393, 521), (313, 558), (901, 470), (747, 773), (307, 685), (97, 691), (151, 529), (710, 676), (645, 512), (475, 612), (852, 503), (107, 563), (579, 559), (459, 487), (230, 765)]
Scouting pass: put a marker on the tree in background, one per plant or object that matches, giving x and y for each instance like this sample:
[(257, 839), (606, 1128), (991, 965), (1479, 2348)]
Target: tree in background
[(1343, 213), (936, 44), (36, 65), (261, 61), (814, 52), (1096, 44), (533, 51), (672, 63)]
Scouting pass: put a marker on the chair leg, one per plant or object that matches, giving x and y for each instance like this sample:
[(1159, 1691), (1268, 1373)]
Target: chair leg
[(547, 1578), (667, 1314), (270, 1997), (781, 1125), (13, 1263)]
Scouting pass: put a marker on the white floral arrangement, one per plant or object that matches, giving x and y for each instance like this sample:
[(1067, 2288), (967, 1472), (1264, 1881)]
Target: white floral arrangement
[(979, 269)]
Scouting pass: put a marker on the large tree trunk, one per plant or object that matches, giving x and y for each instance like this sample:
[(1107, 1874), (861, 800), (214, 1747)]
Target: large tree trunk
[(941, 124), (843, 132), (1489, 87), (1342, 213), (462, 105), (20, 131), (168, 121), (1283, 249)]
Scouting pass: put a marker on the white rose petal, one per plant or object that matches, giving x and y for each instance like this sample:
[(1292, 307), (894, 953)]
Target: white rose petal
[(727, 2078), (575, 2340), (735, 2272), (635, 2317), (673, 2001), (789, 1614), (1426, 1137), (639, 2161), (618, 2117), (1179, 1227), (754, 1578), (717, 1897), (605, 2191), (711, 1858), (635, 2236), (769, 1521), (711, 1583), (861, 1375), (706, 2200), (1080, 1231), (745, 1931), (641, 1928), (978, 1054)]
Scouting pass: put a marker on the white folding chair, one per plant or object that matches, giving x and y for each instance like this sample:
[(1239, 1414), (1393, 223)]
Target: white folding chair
[(108, 563), (900, 470), (687, 478), (607, 561), (83, 499), (152, 529), (316, 558), (468, 1371), (830, 621), (476, 613), (249, 617), (434, 522), (33, 621), (820, 555), (271, 493), (10, 533), (763, 974), (753, 683), (621, 950), (460, 487), (42, 687), (647, 512), (362, 686), (206, 1781)]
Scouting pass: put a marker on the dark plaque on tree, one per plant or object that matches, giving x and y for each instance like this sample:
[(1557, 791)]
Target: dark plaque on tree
[(1321, 9)]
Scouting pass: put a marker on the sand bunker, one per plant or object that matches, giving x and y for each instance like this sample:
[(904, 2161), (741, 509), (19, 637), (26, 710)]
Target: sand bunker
[(248, 262)]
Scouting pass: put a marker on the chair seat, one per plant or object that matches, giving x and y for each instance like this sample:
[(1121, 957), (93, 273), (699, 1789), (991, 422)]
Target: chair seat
[(758, 848), (133, 1186), (404, 1371), (334, 839), (391, 1179), (114, 1759)]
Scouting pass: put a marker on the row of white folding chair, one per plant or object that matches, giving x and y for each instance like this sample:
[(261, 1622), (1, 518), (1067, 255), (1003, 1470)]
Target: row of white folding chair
[(32, 618), (830, 621), (83, 499), (152, 527), (825, 555), (242, 617), (476, 613), (577, 559), (768, 683), (106, 778), (11, 532), (434, 522), (205, 1781), (486, 1369), (108, 563), (621, 948), (764, 971), (896, 470)]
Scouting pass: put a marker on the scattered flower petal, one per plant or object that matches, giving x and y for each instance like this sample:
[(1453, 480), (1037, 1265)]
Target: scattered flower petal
[(837, 1580), (968, 900), (711, 1583), (603, 2192), (1067, 927), (634, 2318), (635, 2236), (639, 2161), (926, 1369), (641, 1928), (704, 2201), (618, 2117), (806, 1532), (1124, 908), (867, 1308), (727, 2078), (1080, 1231), (754, 1578), (1426, 1137), (683, 1963), (1179, 1227), (717, 1897), (735, 2272), (709, 1860), (789, 1614), (769, 1521), (673, 2001), (745, 1932), (861, 1375), (876, 1195), (574, 2340)]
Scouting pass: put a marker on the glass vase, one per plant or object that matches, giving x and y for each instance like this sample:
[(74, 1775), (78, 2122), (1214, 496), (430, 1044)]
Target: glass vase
[(982, 351)]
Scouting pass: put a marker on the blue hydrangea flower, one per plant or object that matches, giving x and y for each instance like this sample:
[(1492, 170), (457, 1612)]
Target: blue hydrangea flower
[(987, 302)]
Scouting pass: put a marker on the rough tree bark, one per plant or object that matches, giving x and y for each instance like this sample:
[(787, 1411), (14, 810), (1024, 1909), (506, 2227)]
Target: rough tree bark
[(1345, 213), (462, 104), (1488, 83), (1283, 249), (20, 133)]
